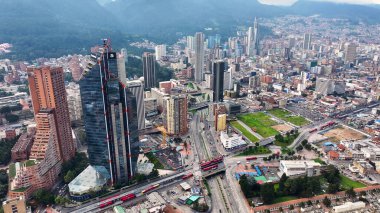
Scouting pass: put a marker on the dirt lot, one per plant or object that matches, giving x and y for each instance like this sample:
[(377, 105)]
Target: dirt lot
[(342, 133), (282, 128)]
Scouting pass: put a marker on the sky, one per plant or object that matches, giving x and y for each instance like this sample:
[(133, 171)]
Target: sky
[(290, 2)]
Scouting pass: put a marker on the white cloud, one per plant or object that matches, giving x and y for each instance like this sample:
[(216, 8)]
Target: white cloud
[(290, 2)]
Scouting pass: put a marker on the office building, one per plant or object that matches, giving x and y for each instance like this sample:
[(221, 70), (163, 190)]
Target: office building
[(160, 51), (253, 45), (324, 86), (307, 41), (228, 83), (175, 115), (231, 142), (349, 53), (292, 42), (47, 89), (74, 101), (254, 83), (218, 73), (190, 42), (136, 88), (149, 70), (221, 122), (110, 116), (297, 168), (199, 56)]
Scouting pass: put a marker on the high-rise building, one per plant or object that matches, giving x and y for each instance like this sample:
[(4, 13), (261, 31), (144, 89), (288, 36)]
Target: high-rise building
[(137, 89), (110, 116), (190, 42), (149, 70), (17, 205), (199, 56), (175, 115), (254, 83), (253, 45), (218, 73), (47, 88), (307, 41), (349, 52), (74, 101), (292, 42), (160, 51)]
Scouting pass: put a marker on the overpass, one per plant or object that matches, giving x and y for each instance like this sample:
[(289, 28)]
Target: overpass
[(213, 172)]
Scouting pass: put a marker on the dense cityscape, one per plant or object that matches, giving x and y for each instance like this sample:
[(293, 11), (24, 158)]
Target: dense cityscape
[(283, 116)]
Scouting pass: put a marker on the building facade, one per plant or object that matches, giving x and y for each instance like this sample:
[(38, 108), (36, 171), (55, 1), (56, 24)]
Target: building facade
[(199, 56), (47, 89), (149, 70), (218, 86), (74, 101), (175, 115), (137, 89), (110, 117)]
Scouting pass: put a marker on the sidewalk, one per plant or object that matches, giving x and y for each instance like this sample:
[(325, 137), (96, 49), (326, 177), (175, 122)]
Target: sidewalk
[(250, 130)]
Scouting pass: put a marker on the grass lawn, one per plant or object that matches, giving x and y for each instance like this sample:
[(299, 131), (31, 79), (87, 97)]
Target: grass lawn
[(255, 151), (245, 132), (286, 116), (261, 122), (153, 159), (190, 85), (12, 170), (284, 199), (347, 183), (318, 160)]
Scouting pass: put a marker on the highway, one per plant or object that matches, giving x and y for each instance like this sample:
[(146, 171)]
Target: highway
[(93, 205)]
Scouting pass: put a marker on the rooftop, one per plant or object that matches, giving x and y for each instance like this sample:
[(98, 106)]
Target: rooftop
[(91, 178)]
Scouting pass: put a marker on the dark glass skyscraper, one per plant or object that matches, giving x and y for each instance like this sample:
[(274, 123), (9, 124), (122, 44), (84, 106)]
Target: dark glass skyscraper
[(110, 116), (218, 69)]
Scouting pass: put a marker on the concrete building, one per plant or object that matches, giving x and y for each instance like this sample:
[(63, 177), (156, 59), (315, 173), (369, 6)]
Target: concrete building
[(159, 95), (349, 207), (150, 105), (324, 86), (297, 168), (221, 122), (137, 89), (16, 205), (149, 70), (190, 42), (13, 100), (253, 39), (349, 53), (254, 83), (74, 101), (160, 51), (199, 56), (307, 41), (233, 142), (175, 115), (47, 89)]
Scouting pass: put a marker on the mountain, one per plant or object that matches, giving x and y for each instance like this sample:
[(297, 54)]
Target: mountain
[(51, 28)]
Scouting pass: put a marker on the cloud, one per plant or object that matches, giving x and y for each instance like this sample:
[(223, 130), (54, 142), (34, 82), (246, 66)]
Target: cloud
[(290, 2)]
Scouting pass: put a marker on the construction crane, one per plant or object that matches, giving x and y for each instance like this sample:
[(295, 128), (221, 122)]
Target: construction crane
[(164, 134)]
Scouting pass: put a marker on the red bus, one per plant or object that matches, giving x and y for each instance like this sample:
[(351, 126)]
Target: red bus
[(150, 188), (251, 158), (210, 167), (187, 176), (127, 197)]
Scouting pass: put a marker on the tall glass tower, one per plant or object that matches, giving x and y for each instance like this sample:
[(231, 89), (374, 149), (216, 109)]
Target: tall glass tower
[(110, 115)]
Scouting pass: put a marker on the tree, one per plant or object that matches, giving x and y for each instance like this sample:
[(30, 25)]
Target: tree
[(302, 205), (11, 118), (281, 210), (326, 201), (333, 188), (267, 193), (351, 193), (309, 203), (291, 207), (61, 200), (304, 142), (299, 148), (43, 197), (5, 110), (281, 183), (69, 176)]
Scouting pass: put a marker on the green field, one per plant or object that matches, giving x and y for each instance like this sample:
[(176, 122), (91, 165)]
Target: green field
[(261, 122), (245, 132), (284, 199), (318, 160), (286, 116), (255, 151), (347, 183)]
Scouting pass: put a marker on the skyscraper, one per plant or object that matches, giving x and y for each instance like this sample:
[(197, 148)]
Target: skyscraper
[(175, 115), (190, 42), (199, 56), (149, 69), (349, 52), (160, 51), (218, 73), (110, 116), (47, 88), (137, 89), (307, 41), (253, 45)]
